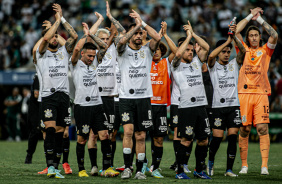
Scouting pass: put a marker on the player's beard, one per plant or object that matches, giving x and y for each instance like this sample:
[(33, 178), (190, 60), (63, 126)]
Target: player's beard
[(138, 42), (52, 46)]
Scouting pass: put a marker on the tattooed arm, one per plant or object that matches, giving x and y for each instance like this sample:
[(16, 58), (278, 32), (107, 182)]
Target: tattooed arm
[(170, 43), (124, 39), (79, 45), (242, 51), (273, 34), (72, 40), (121, 31), (177, 59), (103, 47)]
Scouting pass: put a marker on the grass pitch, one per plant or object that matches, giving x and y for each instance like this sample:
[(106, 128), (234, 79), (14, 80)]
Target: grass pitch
[(13, 169)]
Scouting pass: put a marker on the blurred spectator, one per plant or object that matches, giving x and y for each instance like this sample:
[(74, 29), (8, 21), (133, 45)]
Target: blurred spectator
[(279, 89), (270, 13), (276, 105), (202, 27), (278, 68), (24, 112), (177, 18), (26, 12), (155, 18), (194, 13), (13, 115), (224, 16), (7, 6)]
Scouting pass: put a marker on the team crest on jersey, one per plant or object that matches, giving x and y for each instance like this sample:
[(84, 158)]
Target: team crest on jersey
[(259, 53), (217, 122), (175, 119), (142, 54), (85, 129), (195, 65), (125, 117), (48, 113), (189, 130), (42, 124), (60, 55), (149, 114), (230, 67), (244, 118)]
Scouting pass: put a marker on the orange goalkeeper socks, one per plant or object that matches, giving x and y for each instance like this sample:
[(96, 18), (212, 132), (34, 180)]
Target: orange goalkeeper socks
[(243, 145), (264, 149)]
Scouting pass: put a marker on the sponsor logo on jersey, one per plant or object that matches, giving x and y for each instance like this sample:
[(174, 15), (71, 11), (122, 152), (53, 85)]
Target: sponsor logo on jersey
[(85, 129), (217, 122), (125, 117), (237, 121), (244, 118), (48, 113), (175, 119), (189, 130)]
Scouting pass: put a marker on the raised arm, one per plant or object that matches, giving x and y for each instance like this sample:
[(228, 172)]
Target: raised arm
[(49, 35), (169, 41), (204, 50), (113, 34), (116, 23), (242, 24), (124, 39), (34, 50), (272, 33), (72, 40), (215, 52), (177, 59), (102, 45), (95, 26), (154, 43), (242, 51), (79, 45)]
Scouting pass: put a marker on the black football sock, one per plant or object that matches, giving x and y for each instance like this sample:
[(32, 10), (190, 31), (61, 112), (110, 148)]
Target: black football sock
[(231, 150), (181, 152), (50, 145), (80, 149), (157, 157), (58, 148), (214, 145), (201, 154), (114, 145), (66, 149), (176, 144), (107, 153), (188, 153), (139, 165), (93, 156)]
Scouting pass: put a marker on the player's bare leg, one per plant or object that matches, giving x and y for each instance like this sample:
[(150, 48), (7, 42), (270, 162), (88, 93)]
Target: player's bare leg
[(243, 145)]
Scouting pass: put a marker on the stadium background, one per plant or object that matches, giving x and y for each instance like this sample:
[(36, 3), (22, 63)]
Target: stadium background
[(20, 25)]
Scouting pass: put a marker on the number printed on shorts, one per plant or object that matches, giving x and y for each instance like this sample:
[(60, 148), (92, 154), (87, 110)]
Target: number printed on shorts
[(112, 119), (237, 113), (163, 121), (266, 109)]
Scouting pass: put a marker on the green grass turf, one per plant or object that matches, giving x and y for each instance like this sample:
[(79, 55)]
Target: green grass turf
[(13, 169)]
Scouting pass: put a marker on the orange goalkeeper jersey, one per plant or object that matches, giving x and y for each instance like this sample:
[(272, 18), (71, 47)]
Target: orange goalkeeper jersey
[(253, 74)]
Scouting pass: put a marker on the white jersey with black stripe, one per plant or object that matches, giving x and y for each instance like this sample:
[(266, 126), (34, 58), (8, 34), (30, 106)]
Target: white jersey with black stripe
[(225, 80), (188, 77), (106, 73), (135, 67), (85, 83), (53, 67)]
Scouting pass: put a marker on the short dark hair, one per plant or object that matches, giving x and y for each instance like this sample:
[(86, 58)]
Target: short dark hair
[(163, 48), (131, 26), (220, 42), (247, 35), (181, 40), (89, 46)]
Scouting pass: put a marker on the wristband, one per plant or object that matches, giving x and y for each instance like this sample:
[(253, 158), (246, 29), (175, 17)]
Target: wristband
[(249, 17), (143, 24), (63, 20), (260, 20)]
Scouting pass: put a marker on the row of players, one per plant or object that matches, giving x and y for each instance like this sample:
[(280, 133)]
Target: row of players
[(143, 83)]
